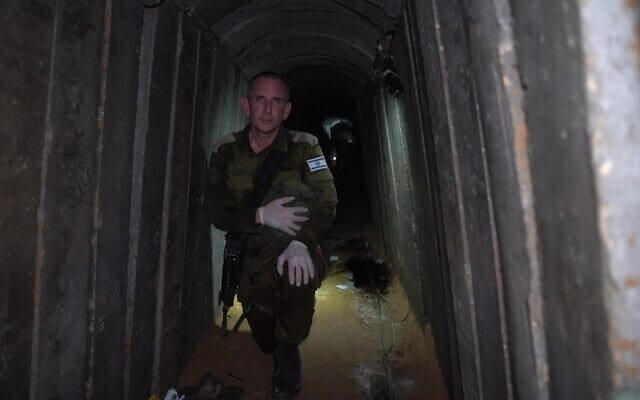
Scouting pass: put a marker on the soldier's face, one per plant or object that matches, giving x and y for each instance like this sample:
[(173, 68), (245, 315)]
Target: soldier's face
[(267, 106)]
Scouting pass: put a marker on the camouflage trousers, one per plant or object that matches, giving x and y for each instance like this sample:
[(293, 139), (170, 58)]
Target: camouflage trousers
[(277, 311)]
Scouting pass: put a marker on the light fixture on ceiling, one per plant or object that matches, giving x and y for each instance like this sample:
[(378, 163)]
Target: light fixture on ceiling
[(393, 84)]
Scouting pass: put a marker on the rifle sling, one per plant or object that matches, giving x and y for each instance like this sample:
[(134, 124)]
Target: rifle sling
[(267, 171)]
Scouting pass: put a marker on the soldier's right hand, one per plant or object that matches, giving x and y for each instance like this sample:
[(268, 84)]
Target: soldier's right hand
[(277, 216)]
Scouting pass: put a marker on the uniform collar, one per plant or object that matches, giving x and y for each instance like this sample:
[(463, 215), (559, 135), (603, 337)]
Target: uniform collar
[(280, 143)]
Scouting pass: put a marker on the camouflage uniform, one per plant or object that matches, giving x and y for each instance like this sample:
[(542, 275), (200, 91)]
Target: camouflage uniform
[(279, 312)]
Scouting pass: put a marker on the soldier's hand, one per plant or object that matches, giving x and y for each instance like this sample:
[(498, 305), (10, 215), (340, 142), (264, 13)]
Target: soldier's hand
[(277, 216), (297, 257)]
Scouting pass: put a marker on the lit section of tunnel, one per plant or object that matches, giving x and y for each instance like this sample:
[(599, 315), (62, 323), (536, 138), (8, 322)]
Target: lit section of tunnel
[(326, 51)]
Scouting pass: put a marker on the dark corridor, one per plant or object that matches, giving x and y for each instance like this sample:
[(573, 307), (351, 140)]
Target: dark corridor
[(495, 152)]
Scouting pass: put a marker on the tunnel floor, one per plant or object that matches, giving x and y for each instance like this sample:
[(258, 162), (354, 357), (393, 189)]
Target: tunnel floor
[(363, 345)]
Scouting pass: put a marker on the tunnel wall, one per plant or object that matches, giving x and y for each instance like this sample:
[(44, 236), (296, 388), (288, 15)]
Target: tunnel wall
[(400, 209), (513, 277), (217, 112), (391, 188), (221, 115), (562, 179), (584, 158), (97, 131), (610, 38), (441, 231)]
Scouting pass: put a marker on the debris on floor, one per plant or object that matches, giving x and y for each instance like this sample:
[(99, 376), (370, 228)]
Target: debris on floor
[(369, 274), (379, 388), (213, 388), (172, 394), (373, 384)]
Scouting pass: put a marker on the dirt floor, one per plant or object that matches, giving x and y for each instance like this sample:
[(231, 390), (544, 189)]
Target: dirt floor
[(363, 345)]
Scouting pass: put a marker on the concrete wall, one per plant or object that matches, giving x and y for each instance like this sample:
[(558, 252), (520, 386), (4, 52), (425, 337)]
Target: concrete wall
[(562, 179), (103, 109), (610, 38), (502, 241), (440, 232), (403, 217)]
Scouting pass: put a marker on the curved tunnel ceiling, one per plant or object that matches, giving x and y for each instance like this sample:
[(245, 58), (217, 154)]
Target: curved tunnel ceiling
[(330, 42)]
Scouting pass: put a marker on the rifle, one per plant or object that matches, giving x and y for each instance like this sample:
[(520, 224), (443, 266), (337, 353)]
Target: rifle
[(234, 248)]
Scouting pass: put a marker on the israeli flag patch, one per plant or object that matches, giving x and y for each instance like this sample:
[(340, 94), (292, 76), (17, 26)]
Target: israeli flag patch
[(317, 163)]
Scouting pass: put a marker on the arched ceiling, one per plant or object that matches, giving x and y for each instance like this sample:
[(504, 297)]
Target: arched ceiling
[(329, 42)]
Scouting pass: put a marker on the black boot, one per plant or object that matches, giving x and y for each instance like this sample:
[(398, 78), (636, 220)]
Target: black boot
[(286, 381)]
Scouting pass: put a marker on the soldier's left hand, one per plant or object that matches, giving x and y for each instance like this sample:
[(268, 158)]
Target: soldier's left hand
[(297, 257)]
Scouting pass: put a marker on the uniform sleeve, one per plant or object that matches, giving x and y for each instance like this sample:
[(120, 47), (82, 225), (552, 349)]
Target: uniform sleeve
[(321, 216), (224, 214)]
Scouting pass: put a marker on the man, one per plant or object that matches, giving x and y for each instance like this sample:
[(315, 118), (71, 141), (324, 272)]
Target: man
[(279, 277)]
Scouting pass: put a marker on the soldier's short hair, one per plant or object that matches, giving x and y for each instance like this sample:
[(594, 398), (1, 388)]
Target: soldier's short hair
[(271, 75)]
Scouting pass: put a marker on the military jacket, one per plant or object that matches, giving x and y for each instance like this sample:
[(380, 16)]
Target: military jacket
[(231, 179)]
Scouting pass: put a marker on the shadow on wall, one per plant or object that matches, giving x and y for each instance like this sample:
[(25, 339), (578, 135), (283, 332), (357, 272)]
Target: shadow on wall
[(222, 115)]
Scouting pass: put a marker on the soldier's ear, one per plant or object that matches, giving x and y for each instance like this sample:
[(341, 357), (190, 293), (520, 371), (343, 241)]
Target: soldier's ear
[(246, 107), (287, 110)]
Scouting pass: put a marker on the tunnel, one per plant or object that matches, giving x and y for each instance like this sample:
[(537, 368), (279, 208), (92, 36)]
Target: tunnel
[(498, 158)]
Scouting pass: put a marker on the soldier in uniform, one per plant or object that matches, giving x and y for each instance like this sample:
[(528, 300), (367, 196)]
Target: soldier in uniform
[(281, 268)]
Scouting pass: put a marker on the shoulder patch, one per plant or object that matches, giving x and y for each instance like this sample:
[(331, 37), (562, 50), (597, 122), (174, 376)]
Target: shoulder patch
[(229, 138), (317, 163), (303, 137)]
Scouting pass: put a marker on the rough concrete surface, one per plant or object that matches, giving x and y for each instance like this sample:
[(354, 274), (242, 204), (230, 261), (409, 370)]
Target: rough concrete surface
[(611, 40)]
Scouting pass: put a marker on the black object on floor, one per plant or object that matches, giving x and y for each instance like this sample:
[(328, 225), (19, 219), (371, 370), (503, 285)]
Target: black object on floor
[(371, 275)]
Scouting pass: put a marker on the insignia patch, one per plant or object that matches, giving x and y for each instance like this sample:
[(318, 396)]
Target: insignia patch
[(317, 163)]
